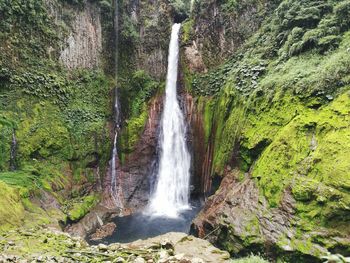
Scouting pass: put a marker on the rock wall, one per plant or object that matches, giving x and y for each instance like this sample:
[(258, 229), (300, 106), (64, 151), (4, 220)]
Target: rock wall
[(83, 46), (221, 27), (145, 30), (139, 168), (53, 114), (275, 110), (238, 218)]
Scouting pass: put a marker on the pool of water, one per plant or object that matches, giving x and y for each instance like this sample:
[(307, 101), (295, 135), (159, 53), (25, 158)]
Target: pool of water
[(141, 226)]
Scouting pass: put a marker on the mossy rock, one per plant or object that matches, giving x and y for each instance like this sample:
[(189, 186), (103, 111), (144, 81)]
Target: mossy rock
[(11, 208), (82, 207)]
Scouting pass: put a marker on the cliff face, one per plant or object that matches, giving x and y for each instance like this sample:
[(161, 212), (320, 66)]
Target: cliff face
[(82, 47), (219, 28), (55, 104), (269, 114), (265, 88), (144, 32)]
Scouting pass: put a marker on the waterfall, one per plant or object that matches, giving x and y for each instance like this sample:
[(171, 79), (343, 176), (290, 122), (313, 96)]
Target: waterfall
[(171, 193), (115, 188)]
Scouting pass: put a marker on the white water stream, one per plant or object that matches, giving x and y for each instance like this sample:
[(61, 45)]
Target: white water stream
[(171, 193), (116, 190)]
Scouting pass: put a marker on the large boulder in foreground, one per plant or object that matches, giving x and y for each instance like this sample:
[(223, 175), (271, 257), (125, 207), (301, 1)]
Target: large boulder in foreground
[(238, 219)]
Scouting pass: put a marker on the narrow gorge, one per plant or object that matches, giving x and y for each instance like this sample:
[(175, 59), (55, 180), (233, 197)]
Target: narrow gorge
[(175, 131)]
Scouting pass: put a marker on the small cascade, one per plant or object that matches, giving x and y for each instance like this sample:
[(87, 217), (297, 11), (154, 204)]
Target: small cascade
[(13, 152), (115, 188), (171, 193)]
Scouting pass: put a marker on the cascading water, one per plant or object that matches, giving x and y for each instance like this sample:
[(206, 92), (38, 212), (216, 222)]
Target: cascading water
[(169, 209), (171, 194), (115, 184), (115, 187)]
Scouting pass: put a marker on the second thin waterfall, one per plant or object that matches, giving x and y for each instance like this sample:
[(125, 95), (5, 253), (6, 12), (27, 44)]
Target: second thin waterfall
[(171, 193)]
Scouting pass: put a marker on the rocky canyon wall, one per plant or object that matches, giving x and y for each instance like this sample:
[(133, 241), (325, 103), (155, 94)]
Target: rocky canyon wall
[(258, 120)]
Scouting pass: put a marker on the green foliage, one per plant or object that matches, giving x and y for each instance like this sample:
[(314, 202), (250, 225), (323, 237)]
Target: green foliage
[(300, 26), (135, 94), (81, 207), (180, 7), (187, 30), (342, 12), (75, 2), (281, 113), (25, 179), (11, 208), (235, 7), (43, 133), (128, 31), (211, 83), (144, 87), (59, 116), (26, 30), (105, 5), (133, 129), (307, 147)]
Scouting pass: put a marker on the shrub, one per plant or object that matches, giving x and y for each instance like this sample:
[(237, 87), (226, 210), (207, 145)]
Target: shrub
[(342, 11)]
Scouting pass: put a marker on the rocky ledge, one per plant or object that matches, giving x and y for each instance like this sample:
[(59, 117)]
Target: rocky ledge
[(50, 245), (238, 219)]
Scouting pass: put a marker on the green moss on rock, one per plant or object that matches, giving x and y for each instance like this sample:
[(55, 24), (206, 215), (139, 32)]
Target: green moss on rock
[(11, 208), (80, 208)]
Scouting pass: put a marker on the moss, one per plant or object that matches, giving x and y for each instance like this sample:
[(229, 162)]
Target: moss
[(133, 130), (206, 107), (252, 232), (135, 93), (35, 241), (81, 208), (187, 28), (43, 134), (299, 147), (229, 118), (11, 208)]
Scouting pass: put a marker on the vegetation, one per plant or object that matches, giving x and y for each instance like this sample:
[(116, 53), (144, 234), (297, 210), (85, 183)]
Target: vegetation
[(279, 109), (58, 116), (78, 209), (136, 93)]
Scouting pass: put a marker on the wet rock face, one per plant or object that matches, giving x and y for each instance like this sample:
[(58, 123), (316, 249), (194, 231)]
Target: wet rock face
[(138, 172), (236, 218), (80, 35), (83, 45), (194, 59), (139, 167), (201, 153), (135, 175), (81, 38)]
